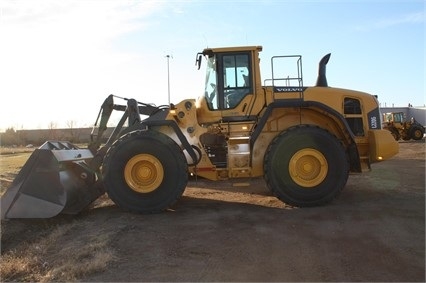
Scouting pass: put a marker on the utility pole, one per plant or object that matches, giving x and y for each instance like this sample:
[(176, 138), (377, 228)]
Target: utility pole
[(168, 77)]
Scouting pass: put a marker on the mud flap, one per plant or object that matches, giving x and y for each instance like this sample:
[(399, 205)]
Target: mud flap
[(55, 179)]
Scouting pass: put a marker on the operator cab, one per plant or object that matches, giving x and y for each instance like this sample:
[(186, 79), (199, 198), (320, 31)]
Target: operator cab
[(225, 91), (229, 93)]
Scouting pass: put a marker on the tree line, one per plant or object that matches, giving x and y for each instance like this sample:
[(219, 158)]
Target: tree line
[(11, 137)]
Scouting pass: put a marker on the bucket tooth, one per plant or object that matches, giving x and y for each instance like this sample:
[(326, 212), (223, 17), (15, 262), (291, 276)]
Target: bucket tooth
[(55, 179)]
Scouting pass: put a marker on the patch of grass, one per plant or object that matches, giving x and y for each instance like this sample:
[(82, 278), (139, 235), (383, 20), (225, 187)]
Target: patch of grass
[(18, 267), (10, 164), (60, 256), (14, 150)]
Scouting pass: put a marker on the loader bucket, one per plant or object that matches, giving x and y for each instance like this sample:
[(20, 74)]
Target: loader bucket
[(55, 179)]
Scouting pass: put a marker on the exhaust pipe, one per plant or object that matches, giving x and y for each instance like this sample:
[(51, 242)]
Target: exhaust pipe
[(322, 79)]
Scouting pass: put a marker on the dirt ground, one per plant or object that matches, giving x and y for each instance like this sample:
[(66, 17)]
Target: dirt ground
[(375, 231)]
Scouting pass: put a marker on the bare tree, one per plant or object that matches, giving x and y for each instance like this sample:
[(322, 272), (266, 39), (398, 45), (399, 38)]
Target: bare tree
[(71, 125), (74, 131), (53, 131)]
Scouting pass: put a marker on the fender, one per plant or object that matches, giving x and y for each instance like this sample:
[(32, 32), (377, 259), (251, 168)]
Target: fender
[(290, 103), (170, 123)]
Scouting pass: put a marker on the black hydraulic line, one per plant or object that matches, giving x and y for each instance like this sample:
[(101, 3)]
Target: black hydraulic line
[(104, 115)]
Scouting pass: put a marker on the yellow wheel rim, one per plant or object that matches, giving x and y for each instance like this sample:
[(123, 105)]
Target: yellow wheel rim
[(143, 173), (308, 167), (418, 134)]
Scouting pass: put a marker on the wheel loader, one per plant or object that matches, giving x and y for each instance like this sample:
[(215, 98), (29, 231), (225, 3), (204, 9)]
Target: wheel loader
[(304, 141), (401, 128)]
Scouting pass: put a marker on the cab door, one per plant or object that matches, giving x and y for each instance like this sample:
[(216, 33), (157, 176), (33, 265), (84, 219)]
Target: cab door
[(235, 86), (230, 88)]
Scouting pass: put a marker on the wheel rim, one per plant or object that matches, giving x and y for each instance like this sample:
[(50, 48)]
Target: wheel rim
[(418, 134), (144, 173), (308, 167)]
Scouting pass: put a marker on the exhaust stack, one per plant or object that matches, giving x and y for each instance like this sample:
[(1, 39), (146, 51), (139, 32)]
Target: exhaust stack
[(322, 79)]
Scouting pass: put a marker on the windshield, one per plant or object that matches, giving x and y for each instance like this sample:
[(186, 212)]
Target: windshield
[(399, 117), (211, 79)]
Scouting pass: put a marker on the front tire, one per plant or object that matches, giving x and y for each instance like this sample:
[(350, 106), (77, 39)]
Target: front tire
[(395, 134), (145, 172), (417, 133), (306, 166)]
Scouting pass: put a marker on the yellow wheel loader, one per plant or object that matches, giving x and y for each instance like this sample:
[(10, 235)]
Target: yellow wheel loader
[(401, 128), (304, 141)]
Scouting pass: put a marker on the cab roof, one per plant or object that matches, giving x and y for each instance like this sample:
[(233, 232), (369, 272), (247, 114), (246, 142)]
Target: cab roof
[(232, 49)]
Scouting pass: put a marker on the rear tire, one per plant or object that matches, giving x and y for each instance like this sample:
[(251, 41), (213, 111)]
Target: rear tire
[(145, 172), (306, 166)]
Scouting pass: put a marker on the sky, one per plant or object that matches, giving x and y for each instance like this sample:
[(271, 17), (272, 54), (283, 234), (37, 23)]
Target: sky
[(59, 60)]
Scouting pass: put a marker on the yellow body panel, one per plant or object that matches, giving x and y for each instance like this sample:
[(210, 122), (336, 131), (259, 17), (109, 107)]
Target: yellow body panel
[(382, 145)]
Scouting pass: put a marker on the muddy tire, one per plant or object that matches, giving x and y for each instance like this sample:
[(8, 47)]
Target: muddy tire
[(395, 134), (306, 166), (145, 172), (417, 133)]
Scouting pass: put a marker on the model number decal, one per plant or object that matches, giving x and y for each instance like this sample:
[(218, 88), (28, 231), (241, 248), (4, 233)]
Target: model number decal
[(373, 122), (374, 119)]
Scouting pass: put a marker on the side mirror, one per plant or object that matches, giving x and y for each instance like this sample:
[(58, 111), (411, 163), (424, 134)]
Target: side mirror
[(198, 60)]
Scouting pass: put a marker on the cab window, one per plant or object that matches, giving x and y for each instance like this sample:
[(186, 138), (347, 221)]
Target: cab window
[(228, 80), (210, 91), (352, 106), (236, 79)]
